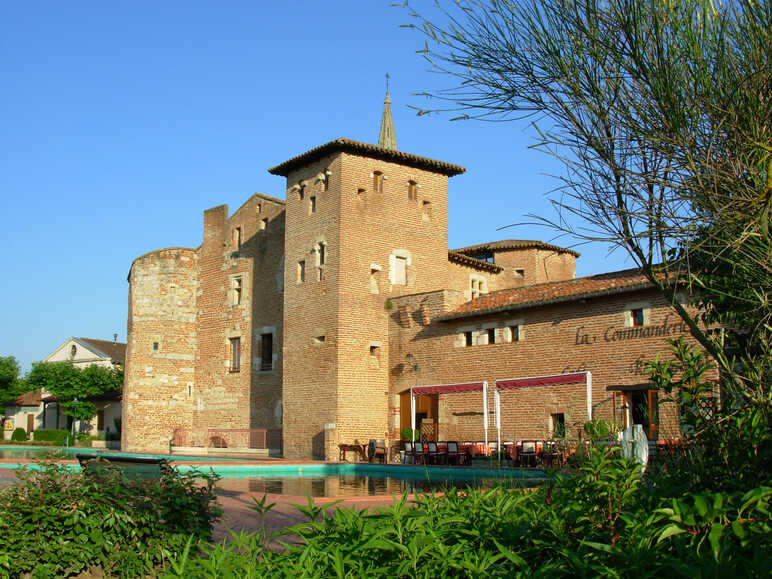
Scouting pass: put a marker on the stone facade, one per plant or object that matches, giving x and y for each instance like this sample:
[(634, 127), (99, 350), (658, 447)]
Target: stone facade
[(319, 313)]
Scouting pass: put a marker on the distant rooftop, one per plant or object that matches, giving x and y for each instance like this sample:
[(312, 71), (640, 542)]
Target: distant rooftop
[(551, 293), (505, 244), (367, 150)]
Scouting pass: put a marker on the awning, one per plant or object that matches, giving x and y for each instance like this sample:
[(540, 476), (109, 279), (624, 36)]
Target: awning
[(448, 388), (628, 388), (552, 380)]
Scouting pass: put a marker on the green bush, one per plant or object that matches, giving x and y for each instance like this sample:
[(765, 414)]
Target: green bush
[(19, 435), (408, 433), (603, 521), (57, 437), (54, 523)]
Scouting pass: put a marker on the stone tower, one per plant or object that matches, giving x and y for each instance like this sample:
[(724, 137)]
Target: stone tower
[(364, 224)]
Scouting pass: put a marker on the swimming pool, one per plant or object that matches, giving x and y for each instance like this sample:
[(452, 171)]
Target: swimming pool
[(33, 452), (322, 479)]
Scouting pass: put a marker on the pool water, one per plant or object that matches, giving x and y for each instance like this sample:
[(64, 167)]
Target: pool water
[(322, 479), (36, 452)]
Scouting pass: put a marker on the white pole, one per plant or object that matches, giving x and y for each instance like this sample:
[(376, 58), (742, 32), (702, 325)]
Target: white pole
[(412, 415), (588, 380), (485, 412), (497, 397)]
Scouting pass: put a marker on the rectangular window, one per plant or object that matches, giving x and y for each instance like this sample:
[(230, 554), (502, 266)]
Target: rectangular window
[(412, 191), (520, 273), (637, 316), (236, 289), (491, 335), (378, 182), (312, 204), (263, 224), (322, 253), (400, 270), (468, 339), (301, 271), (155, 346), (235, 354), (558, 425), (326, 180), (514, 333), (237, 238), (266, 351)]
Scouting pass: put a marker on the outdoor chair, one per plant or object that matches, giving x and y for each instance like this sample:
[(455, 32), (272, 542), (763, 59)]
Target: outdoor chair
[(408, 457), (527, 453), (419, 455), (377, 450), (433, 453), (453, 456)]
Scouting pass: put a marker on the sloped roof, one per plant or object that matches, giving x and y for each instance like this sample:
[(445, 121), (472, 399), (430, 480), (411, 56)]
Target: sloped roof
[(464, 259), (505, 244), (367, 150), (31, 398), (116, 351), (551, 293)]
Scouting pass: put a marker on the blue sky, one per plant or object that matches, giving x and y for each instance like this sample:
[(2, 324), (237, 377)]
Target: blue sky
[(123, 121)]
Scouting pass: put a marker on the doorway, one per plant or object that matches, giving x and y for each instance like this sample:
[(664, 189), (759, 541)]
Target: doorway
[(425, 407), (644, 410), (30, 424)]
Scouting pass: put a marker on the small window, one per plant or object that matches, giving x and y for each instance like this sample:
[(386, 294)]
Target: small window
[(263, 224), (477, 287), (468, 339), (326, 180), (155, 346), (319, 340), (375, 356), (519, 274), (312, 204), (514, 333), (258, 209), (73, 351), (266, 351), (301, 271), (378, 182), (637, 316), (491, 335), (235, 354), (301, 191), (237, 238), (361, 192), (558, 425), (427, 210), (237, 285), (322, 253), (399, 276), (412, 191)]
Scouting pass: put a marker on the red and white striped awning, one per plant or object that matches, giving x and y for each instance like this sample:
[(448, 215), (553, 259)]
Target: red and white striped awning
[(552, 380), (448, 388)]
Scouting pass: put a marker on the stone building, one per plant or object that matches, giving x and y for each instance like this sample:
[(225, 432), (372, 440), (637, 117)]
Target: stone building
[(318, 313)]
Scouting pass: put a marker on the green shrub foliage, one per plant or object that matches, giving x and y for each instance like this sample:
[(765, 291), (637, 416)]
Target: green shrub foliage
[(57, 437), (603, 521), (19, 435), (57, 524)]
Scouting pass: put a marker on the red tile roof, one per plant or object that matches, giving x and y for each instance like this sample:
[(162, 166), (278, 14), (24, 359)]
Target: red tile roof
[(464, 259), (367, 150), (550, 293), (505, 244), (32, 398)]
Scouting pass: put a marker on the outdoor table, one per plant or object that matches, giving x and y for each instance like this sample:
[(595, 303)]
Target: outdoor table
[(358, 448)]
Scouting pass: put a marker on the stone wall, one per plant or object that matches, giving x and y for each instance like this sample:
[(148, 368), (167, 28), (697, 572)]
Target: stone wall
[(160, 378)]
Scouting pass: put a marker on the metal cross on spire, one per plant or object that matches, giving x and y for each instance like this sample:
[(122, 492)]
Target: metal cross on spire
[(387, 139)]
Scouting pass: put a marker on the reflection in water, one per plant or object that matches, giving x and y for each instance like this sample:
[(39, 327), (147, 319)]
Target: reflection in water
[(347, 485)]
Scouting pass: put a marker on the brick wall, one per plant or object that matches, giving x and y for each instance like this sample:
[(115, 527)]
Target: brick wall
[(582, 335), (160, 377)]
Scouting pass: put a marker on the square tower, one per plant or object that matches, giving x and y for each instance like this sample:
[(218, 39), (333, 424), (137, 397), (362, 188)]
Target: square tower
[(364, 224)]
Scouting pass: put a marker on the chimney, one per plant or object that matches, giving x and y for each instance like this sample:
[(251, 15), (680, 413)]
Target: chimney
[(115, 338)]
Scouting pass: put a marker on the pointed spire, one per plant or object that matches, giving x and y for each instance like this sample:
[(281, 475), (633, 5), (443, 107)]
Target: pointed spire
[(387, 139)]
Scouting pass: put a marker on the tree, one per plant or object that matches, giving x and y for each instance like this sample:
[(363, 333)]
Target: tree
[(67, 382), (660, 112), (10, 383)]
